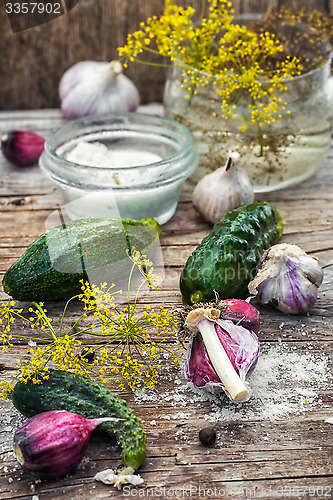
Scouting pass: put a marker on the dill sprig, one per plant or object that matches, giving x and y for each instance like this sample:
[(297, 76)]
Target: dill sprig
[(249, 65), (118, 339)]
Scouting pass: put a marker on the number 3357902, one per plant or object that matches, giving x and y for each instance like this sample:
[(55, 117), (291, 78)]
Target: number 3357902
[(33, 7)]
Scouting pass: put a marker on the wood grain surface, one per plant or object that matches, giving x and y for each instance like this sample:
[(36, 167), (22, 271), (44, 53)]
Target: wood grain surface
[(276, 446), (32, 61)]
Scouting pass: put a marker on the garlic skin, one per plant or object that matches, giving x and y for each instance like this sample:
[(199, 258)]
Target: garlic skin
[(119, 478), (287, 279), (91, 87), (225, 189)]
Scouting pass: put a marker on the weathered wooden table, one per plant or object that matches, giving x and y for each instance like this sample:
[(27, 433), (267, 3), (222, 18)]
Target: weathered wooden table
[(278, 445)]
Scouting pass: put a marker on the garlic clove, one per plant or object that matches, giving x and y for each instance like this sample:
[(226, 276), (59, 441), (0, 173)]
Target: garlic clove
[(22, 147), (225, 189), (119, 478), (92, 87), (287, 279)]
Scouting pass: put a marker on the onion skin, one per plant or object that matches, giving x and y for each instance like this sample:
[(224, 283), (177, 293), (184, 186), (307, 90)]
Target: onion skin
[(21, 147), (52, 444)]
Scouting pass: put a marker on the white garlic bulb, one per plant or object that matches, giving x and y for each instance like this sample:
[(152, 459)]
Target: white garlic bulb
[(287, 279), (91, 87), (225, 189)]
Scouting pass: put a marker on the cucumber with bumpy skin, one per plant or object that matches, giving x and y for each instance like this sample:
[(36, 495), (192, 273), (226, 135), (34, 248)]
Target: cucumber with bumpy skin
[(90, 399), (53, 265), (225, 260)]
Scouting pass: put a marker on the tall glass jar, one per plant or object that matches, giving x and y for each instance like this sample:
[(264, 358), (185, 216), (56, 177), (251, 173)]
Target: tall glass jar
[(276, 155)]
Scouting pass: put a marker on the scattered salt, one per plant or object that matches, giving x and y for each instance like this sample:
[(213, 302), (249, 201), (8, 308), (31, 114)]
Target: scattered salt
[(181, 415), (96, 154), (285, 382)]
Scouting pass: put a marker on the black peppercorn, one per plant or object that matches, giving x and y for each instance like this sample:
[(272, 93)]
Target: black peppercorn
[(87, 354), (207, 436)]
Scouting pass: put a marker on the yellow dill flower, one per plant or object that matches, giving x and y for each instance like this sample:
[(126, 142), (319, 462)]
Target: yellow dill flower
[(244, 63), (120, 340)]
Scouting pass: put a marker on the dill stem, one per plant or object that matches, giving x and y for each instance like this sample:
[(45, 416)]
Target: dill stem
[(64, 312), (261, 140), (40, 309), (203, 8)]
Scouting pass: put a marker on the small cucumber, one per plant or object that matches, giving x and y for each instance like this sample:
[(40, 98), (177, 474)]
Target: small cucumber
[(226, 259), (86, 397), (53, 265)]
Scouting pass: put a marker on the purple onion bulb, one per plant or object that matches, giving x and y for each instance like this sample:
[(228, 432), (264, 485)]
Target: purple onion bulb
[(22, 147), (52, 444)]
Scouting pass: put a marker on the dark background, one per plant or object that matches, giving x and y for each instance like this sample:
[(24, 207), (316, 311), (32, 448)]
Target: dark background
[(33, 60)]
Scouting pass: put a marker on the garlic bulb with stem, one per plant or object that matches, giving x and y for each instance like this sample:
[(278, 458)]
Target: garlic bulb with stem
[(92, 87), (287, 279), (221, 351), (225, 189)]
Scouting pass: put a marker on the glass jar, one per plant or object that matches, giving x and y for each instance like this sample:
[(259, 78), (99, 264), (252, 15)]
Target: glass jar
[(114, 188), (278, 154)]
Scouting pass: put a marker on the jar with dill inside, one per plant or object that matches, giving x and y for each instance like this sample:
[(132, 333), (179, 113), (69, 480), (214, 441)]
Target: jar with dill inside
[(268, 96)]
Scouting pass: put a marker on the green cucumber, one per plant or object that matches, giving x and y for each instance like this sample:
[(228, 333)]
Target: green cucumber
[(90, 399), (53, 265), (226, 259)]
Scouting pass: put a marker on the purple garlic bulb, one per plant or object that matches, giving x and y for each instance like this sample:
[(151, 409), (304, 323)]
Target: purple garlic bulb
[(287, 279), (222, 351), (53, 443)]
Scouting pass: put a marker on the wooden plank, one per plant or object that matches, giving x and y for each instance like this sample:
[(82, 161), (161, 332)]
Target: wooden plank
[(278, 445), (93, 31)]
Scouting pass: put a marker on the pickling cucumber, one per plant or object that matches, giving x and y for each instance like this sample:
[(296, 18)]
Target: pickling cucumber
[(90, 399), (53, 265), (226, 259)]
